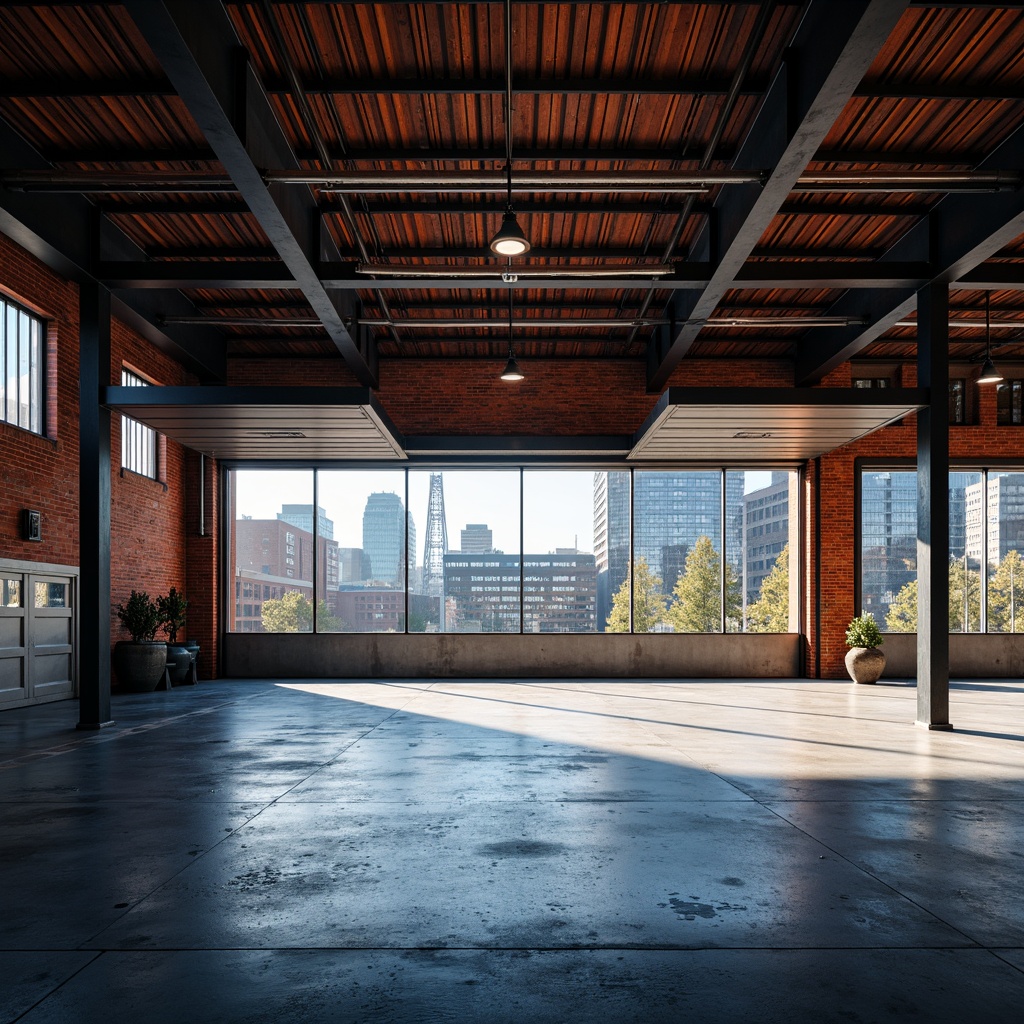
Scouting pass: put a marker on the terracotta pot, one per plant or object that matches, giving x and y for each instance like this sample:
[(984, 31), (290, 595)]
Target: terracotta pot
[(865, 664), (140, 666)]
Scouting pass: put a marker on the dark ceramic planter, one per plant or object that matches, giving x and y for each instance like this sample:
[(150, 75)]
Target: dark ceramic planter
[(179, 658), (140, 665)]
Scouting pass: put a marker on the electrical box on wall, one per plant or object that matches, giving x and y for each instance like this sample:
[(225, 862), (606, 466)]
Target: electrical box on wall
[(31, 524)]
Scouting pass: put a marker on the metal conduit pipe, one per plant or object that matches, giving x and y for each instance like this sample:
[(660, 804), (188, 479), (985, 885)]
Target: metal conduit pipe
[(382, 182), (448, 323), (654, 270)]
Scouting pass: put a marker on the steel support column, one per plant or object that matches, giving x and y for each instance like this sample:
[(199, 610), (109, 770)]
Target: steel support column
[(94, 509), (933, 509)]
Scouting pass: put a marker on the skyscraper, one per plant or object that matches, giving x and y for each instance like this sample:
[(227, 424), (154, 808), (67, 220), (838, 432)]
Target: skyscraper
[(384, 538), (672, 511)]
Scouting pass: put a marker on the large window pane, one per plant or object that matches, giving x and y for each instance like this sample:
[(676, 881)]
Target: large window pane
[(362, 530), (889, 549), (559, 567), (983, 529), (758, 550), (678, 552), (476, 514), (965, 559), (271, 551), (1005, 544)]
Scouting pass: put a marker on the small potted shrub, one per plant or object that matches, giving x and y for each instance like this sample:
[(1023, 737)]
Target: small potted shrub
[(864, 661), (171, 608), (140, 663)]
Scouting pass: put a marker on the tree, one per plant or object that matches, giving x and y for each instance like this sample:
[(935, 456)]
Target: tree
[(293, 613), (964, 598), (902, 614), (964, 592), (1006, 595), (648, 603), (770, 612), (697, 607)]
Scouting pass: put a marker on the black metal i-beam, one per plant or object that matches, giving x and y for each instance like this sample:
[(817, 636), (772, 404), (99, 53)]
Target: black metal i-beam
[(933, 509), (960, 233), (199, 52), (94, 509), (832, 49)]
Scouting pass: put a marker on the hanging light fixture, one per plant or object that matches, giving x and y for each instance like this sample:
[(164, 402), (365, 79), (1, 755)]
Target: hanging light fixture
[(989, 374), (510, 239), (511, 371)]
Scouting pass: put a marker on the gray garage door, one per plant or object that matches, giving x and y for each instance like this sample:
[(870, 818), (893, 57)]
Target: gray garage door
[(37, 633)]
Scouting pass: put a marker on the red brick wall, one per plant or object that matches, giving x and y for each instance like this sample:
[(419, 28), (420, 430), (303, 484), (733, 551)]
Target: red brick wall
[(148, 549), (466, 396), (42, 472)]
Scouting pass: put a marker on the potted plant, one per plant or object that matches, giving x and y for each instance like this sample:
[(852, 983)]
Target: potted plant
[(140, 663), (171, 609), (864, 661)]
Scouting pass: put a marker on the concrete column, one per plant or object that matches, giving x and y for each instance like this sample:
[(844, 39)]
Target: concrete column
[(933, 509), (94, 509)]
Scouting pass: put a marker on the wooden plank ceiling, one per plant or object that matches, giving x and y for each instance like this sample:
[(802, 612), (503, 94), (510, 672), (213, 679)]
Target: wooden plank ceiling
[(185, 126)]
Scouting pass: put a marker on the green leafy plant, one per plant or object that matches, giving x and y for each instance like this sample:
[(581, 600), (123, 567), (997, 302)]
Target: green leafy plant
[(171, 608), (863, 631), (140, 616)]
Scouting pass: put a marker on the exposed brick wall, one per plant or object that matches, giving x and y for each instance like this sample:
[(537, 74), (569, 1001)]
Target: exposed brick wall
[(42, 472), (327, 373), (466, 396), (147, 519)]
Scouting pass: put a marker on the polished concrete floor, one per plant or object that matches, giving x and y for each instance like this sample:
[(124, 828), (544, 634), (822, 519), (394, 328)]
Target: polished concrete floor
[(559, 851)]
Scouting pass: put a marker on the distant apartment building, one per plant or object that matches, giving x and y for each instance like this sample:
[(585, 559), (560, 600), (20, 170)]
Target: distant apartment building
[(272, 557), (1003, 515), (477, 539), (559, 592), (370, 609), (353, 565), (765, 532)]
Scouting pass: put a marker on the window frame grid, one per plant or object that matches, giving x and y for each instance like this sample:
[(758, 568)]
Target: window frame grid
[(139, 448), (991, 467), (22, 370), (229, 469)]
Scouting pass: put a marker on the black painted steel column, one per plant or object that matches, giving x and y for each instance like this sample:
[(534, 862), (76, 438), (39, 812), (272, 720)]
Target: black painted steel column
[(933, 509), (94, 509)]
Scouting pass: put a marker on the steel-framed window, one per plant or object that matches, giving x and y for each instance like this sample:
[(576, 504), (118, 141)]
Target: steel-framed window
[(22, 373), (986, 523), (138, 442), (744, 532)]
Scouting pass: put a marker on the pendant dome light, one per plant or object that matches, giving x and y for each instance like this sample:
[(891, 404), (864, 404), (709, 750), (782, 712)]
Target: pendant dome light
[(511, 371), (510, 239), (989, 374)]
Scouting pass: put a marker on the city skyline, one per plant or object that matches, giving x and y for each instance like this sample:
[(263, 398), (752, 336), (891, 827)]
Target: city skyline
[(559, 514)]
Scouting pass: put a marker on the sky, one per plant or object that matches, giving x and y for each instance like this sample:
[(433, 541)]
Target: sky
[(558, 504)]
